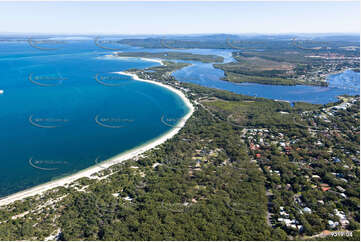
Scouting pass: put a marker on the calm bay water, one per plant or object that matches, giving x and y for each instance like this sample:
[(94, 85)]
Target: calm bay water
[(63, 110), (204, 74)]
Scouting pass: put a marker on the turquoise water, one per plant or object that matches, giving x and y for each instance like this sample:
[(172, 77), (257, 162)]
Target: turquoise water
[(62, 111)]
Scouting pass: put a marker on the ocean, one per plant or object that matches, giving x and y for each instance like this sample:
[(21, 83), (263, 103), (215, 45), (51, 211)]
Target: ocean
[(64, 110)]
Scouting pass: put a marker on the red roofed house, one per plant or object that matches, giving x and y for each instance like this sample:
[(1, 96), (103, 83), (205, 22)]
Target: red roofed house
[(325, 189)]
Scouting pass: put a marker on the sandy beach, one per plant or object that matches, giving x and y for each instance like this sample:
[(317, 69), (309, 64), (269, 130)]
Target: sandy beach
[(113, 56), (114, 160)]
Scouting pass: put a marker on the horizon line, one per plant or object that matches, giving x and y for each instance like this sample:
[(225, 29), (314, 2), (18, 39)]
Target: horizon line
[(214, 33)]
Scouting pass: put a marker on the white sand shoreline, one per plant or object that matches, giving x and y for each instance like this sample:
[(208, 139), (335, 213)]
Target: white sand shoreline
[(37, 190), (112, 56)]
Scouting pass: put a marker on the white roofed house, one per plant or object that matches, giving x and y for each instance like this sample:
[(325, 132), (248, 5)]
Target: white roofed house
[(307, 210), (343, 219), (332, 224)]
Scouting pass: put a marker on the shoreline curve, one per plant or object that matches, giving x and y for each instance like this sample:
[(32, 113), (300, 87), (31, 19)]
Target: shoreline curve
[(126, 155)]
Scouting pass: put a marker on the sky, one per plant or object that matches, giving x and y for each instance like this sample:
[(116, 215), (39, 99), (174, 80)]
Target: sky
[(179, 17)]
